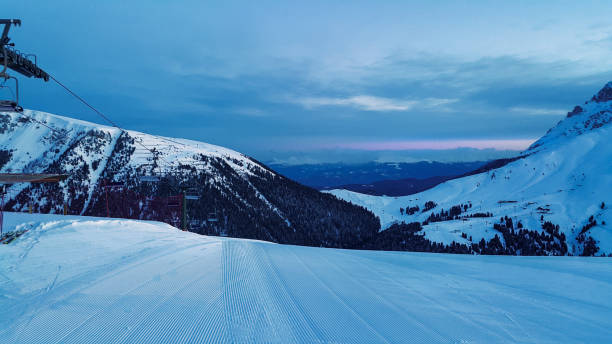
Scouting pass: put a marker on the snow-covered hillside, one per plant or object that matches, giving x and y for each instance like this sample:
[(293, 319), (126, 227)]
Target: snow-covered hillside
[(238, 196), (76, 279), (35, 140), (564, 178)]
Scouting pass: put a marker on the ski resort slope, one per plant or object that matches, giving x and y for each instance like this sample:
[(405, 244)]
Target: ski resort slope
[(92, 280)]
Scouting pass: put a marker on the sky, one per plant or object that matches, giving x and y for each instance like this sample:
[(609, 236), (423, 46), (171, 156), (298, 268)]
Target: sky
[(322, 81)]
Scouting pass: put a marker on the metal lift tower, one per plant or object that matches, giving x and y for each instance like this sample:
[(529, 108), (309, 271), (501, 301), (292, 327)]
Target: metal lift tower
[(13, 59)]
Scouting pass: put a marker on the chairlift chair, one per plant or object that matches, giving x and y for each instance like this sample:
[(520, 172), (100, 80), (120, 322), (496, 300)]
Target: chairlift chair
[(10, 105), (192, 194), (149, 178), (174, 201), (212, 217)]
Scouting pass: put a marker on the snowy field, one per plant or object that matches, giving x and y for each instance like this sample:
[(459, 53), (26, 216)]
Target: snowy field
[(90, 280)]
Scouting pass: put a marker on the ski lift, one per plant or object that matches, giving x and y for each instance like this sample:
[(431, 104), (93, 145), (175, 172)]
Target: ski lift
[(10, 105), (191, 194), (13, 59), (149, 178), (174, 201), (114, 185), (212, 217), (194, 224)]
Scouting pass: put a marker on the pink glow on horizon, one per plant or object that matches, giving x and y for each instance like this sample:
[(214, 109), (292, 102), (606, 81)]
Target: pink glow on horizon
[(516, 144)]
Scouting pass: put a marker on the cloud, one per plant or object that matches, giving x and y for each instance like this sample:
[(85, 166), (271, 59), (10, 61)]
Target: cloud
[(356, 156), (537, 111), (252, 112), (404, 145), (363, 102), (248, 76), (372, 103)]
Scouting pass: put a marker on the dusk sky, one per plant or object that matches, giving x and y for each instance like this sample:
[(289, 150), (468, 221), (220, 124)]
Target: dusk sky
[(317, 81)]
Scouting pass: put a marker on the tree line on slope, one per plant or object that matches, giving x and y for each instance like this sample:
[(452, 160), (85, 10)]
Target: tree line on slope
[(511, 239)]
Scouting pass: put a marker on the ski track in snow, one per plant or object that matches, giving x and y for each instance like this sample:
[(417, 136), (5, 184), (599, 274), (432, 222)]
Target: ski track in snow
[(91, 280)]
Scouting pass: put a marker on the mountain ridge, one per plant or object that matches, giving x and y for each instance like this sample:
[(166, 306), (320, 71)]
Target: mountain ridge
[(557, 189), (238, 196), (327, 176)]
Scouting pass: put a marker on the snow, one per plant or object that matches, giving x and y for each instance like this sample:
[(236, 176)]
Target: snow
[(174, 151), (95, 178), (568, 170), (177, 152), (73, 279), (34, 139), (37, 140)]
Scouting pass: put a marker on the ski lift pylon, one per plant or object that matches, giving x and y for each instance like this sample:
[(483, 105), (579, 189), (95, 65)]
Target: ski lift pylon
[(17, 61)]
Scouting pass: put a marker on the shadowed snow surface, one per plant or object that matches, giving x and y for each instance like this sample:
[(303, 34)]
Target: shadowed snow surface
[(91, 280)]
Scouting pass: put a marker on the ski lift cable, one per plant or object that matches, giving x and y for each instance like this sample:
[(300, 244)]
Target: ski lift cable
[(103, 116), (85, 102), (106, 118)]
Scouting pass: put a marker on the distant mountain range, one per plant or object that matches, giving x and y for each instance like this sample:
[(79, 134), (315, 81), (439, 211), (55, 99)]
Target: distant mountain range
[(400, 187), (375, 178)]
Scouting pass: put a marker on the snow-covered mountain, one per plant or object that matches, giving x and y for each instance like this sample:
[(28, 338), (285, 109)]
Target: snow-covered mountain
[(238, 196), (564, 179)]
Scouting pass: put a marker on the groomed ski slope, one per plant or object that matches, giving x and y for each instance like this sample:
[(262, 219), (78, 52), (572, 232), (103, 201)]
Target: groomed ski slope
[(92, 280)]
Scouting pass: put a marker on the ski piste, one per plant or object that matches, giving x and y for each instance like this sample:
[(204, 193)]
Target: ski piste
[(74, 279)]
